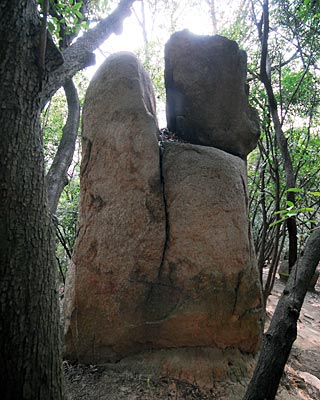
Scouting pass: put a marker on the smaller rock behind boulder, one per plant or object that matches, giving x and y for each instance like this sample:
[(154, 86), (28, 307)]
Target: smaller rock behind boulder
[(207, 100)]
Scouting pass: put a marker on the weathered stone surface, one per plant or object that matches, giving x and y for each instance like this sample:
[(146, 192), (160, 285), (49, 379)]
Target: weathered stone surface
[(207, 101), (163, 259), (122, 223), (208, 292)]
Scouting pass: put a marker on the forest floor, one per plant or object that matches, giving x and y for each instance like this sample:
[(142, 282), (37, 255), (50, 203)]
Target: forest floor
[(301, 380)]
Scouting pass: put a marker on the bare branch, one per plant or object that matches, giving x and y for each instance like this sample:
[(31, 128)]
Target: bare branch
[(57, 175)]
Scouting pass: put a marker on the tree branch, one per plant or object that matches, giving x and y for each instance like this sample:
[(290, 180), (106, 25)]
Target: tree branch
[(57, 175), (80, 55), (278, 340), (281, 139)]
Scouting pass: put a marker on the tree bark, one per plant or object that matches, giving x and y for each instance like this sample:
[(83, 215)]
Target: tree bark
[(57, 175), (30, 366), (278, 340)]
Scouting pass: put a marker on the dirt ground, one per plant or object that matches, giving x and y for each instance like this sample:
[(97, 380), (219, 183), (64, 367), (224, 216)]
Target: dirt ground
[(301, 380)]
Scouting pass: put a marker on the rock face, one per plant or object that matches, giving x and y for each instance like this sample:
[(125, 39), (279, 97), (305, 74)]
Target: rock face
[(207, 101), (121, 218), (163, 259), (208, 292)]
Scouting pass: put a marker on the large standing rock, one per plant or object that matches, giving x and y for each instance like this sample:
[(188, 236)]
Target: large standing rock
[(122, 223), (207, 101), (163, 259), (208, 291)]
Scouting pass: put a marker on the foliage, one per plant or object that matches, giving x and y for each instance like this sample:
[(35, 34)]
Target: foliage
[(292, 65), (53, 120), (67, 216), (294, 52), (66, 16), (292, 210)]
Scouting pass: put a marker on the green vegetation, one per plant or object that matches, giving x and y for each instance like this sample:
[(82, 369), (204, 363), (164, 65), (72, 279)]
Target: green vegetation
[(44, 44), (293, 57)]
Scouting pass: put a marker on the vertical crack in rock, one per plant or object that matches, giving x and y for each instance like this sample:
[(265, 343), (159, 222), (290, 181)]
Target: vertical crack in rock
[(249, 222), (245, 192), (161, 299), (236, 293), (166, 222)]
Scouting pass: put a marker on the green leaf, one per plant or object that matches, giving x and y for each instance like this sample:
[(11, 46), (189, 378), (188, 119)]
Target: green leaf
[(305, 209), (77, 6), (281, 212), (51, 26), (294, 190), (317, 194), (278, 222), (84, 25), (289, 203), (78, 14)]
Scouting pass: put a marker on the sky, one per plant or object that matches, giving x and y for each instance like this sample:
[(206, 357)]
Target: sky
[(196, 19)]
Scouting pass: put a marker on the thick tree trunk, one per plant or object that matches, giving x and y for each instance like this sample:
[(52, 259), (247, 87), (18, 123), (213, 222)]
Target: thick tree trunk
[(57, 175), (278, 340), (30, 366)]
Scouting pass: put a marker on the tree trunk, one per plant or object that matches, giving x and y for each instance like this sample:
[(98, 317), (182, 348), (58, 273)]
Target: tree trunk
[(265, 77), (281, 139), (278, 340), (57, 175), (30, 366), (213, 16)]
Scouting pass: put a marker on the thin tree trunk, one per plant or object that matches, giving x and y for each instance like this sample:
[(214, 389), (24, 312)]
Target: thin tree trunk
[(278, 340), (57, 175), (275, 237), (261, 257), (213, 17), (281, 139)]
